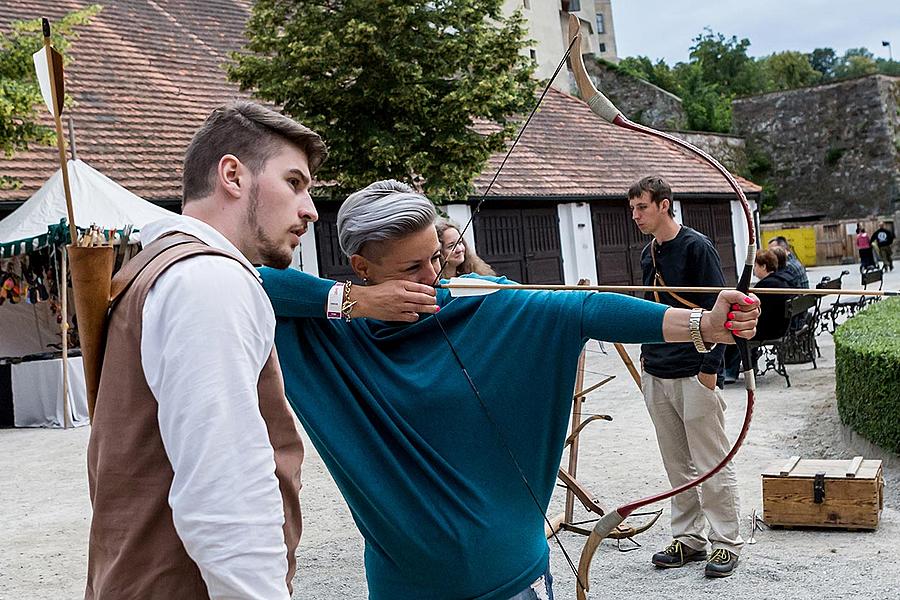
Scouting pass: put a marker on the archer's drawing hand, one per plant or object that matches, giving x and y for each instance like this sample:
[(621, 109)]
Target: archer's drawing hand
[(734, 313), (394, 300)]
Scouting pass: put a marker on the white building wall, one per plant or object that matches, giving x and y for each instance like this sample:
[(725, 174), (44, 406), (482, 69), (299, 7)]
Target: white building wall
[(576, 236), (741, 235), (676, 208), (549, 31), (460, 214), (305, 257)]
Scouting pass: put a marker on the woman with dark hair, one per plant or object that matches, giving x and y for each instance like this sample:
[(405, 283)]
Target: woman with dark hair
[(458, 258)]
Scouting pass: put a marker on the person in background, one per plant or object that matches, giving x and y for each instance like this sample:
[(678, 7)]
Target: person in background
[(769, 269), (682, 389), (864, 246), (458, 258), (795, 269), (882, 239)]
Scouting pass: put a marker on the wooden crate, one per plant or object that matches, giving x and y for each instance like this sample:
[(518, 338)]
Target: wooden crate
[(845, 494)]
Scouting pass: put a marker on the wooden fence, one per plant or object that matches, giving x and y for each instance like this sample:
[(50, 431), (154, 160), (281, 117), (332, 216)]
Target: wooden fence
[(831, 243)]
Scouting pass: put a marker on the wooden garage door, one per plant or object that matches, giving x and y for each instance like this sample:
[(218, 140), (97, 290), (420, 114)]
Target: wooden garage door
[(332, 262), (713, 219), (521, 243), (617, 243)]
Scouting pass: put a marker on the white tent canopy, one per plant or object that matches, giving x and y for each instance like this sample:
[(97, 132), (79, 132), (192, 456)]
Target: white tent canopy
[(96, 198)]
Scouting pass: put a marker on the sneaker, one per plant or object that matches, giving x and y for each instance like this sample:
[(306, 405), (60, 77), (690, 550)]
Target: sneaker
[(677, 554), (722, 563)]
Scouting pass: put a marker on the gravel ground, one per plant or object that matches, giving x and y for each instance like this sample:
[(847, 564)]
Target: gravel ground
[(44, 502)]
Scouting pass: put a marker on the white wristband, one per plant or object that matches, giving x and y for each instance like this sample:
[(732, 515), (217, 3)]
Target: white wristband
[(335, 300)]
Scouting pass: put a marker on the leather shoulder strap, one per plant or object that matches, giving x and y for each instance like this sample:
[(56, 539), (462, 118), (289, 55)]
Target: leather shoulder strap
[(186, 245), (659, 281)]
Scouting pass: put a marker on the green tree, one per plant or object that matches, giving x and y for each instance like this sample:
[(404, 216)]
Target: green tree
[(855, 63), (21, 105), (788, 70), (659, 73), (823, 60), (707, 106), (395, 87), (724, 62), (888, 67)]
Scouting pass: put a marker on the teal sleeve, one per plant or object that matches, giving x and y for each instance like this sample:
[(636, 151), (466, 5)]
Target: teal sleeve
[(620, 318), (295, 293)]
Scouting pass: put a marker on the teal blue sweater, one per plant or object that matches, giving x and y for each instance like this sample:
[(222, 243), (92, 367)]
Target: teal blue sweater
[(443, 511)]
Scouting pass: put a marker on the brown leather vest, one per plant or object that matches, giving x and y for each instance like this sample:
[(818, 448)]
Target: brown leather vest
[(134, 551)]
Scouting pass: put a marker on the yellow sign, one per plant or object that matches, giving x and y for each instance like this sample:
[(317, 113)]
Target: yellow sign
[(801, 239)]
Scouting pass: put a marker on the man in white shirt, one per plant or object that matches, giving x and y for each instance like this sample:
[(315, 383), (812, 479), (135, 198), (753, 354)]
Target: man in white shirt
[(194, 458)]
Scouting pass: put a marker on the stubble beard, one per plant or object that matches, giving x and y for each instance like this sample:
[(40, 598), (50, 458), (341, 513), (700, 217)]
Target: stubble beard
[(271, 253)]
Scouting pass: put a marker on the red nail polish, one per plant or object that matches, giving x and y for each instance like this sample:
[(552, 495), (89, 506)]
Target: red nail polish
[(731, 315), (729, 325), (748, 300), (735, 306), (437, 309)]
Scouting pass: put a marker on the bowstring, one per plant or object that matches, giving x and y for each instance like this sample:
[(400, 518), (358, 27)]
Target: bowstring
[(453, 351), (512, 146)]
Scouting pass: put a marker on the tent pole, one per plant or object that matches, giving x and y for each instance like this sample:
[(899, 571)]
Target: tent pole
[(65, 340), (72, 147)]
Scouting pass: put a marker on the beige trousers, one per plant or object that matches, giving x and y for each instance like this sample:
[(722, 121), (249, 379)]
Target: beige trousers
[(690, 429)]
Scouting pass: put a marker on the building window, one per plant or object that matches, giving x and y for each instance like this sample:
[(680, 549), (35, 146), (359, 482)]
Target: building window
[(571, 5), (602, 48), (600, 27), (526, 3), (533, 54)]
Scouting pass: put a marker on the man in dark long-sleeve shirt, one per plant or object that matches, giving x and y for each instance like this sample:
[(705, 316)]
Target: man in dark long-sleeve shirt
[(689, 259), (682, 388)]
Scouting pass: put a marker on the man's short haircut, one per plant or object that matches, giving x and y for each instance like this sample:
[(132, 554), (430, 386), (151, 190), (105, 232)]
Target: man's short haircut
[(252, 133), (659, 190), (385, 210)]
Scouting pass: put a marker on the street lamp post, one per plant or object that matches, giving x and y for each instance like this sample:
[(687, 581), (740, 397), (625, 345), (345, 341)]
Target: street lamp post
[(890, 54)]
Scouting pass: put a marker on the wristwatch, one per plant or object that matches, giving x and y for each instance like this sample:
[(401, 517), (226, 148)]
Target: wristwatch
[(694, 325)]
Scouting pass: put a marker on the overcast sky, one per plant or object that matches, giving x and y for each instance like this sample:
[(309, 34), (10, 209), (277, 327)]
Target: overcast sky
[(665, 28)]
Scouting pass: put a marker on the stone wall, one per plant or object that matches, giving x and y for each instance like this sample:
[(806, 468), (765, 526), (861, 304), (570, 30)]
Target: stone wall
[(834, 148), (730, 150), (638, 100)]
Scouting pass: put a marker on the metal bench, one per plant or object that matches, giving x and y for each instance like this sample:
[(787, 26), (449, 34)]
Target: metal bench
[(798, 345), (827, 321), (849, 307)]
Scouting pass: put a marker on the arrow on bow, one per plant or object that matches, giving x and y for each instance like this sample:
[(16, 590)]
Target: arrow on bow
[(602, 107), (462, 287)]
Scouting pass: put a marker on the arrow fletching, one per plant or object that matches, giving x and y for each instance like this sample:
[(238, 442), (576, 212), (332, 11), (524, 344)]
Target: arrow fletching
[(466, 287), (44, 73)]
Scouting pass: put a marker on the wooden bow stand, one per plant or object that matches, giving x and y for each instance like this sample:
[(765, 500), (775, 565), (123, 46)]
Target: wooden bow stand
[(567, 477)]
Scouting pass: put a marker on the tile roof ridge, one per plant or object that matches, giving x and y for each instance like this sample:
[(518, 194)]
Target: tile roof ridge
[(176, 24)]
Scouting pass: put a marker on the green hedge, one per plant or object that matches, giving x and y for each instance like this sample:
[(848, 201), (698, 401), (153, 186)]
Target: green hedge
[(867, 354)]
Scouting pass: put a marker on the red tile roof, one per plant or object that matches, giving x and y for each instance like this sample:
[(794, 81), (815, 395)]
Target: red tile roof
[(567, 150), (146, 73)]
